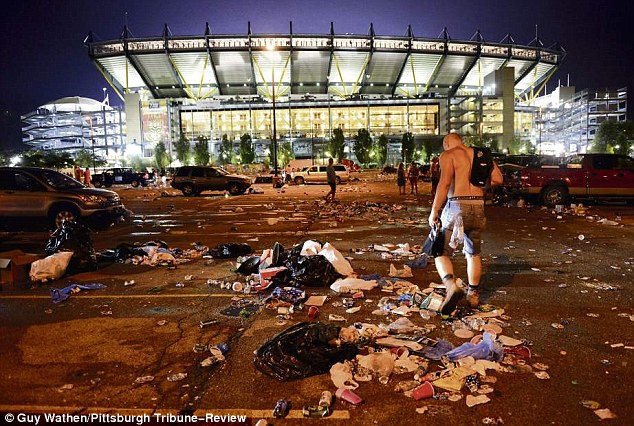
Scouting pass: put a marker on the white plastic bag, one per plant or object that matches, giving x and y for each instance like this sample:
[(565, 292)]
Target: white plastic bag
[(336, 258), (51, 267)]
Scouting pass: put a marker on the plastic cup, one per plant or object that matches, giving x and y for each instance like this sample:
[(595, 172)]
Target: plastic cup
[(348, 396), (313, 312), (426, 390)]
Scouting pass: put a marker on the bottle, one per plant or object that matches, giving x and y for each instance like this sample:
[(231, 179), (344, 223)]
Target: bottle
[(326, 399), (348, 396), (281, 408)]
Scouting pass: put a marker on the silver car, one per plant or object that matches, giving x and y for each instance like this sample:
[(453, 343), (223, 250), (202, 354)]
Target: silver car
[(34, 197), (317, 174)]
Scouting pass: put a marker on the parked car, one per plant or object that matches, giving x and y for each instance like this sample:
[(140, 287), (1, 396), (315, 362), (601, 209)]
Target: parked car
[(32, 194), (588, 176), (192, 180), (121, 176), (317, 174)]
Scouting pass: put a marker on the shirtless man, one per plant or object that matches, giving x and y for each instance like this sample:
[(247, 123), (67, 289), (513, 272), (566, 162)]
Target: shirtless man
[(465, 204)]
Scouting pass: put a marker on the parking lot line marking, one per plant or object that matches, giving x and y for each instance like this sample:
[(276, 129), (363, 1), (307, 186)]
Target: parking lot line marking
[(56, 409), (121, 296)]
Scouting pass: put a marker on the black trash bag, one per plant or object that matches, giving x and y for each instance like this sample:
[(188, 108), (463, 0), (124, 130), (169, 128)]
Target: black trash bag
[(309, 271), (249, 266), (229, 250), (277, 257), (434, 244), (303, 350), (75, 237)]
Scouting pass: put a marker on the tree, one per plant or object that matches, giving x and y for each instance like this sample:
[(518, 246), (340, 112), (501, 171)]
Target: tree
[(363, 146), (614, 137), (515, 144), (336, 145), (183, 150), (201, 151), (226, 153), (428, 149), (407, 147), (161, 157), (284, 154), (382, 149), (247, 154)]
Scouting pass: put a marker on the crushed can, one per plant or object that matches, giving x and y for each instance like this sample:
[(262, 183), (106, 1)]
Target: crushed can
[(281, 409), (315, 411)]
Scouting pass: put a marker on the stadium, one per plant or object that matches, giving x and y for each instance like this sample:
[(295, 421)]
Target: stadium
[(300, 87)]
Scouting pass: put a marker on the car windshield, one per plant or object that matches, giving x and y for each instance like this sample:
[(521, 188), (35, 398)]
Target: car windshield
[(59, 181), (221, 171)]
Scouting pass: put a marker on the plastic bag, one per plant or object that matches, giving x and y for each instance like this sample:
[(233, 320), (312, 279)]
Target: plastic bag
[(487, 349), (51, 267), (229, 250), (310, 271), (434, 244), (303, 350), (340, 263), (73, 237)]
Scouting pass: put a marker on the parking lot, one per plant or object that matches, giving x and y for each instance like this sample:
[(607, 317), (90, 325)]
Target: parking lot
[(563, 281)]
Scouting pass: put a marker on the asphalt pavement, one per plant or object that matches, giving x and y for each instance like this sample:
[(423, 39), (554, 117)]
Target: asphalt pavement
[(564, 282)]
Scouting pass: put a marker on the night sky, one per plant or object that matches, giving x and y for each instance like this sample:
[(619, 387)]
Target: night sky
[(43, 57)]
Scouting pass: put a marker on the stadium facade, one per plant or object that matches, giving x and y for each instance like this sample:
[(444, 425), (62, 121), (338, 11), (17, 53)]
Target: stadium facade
[(306, 85)]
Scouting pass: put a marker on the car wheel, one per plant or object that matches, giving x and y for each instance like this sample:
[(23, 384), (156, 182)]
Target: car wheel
[(134, 183), (234, 188), (60, 213), (108, 184), (98, 184), (554, 194), (299, 180), (338, 180), (188, 190)]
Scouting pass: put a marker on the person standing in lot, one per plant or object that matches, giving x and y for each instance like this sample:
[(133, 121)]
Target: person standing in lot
[(78, 173), (412, 175), (87, 179), (462, 218), (400, 178), (331, 178), (434, 174)]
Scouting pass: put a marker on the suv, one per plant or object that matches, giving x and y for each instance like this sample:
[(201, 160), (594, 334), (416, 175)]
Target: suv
[(30, 193), (192, 180), (317, 174), (121, 176)]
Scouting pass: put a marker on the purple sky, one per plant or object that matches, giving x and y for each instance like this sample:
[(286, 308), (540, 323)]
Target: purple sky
[(43, 57)]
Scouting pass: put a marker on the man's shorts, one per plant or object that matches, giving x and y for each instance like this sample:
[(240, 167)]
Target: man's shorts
[(473, 221)]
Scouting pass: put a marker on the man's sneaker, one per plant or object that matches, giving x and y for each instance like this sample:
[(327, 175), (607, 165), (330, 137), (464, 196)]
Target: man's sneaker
[(454, 294), (473, 296)]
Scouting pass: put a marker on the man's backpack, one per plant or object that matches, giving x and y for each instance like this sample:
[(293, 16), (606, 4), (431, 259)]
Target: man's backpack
[(482, 166)]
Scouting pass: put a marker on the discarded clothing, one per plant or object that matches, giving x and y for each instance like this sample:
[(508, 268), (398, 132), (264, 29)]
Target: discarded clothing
[(488, 349), (59, 295)]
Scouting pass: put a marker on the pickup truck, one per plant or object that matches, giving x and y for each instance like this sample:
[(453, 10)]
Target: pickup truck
[(586, 176), (120, 176)]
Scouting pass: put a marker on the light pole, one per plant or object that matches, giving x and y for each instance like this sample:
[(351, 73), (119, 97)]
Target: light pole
[(274, 137)]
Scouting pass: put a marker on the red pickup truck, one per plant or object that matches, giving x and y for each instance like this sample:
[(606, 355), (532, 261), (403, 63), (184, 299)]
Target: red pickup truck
[(588, 176)]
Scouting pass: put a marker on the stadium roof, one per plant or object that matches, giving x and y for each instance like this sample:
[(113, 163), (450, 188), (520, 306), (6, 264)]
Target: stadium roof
[(341, 65)]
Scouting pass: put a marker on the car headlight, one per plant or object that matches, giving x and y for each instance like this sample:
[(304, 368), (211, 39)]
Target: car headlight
[(92, 199)]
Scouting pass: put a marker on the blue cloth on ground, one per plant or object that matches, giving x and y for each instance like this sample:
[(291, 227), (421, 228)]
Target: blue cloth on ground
[(59, 295), (487, 349)]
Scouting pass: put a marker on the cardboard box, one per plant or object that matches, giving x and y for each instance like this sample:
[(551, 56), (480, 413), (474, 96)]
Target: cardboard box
[(15, 266)]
